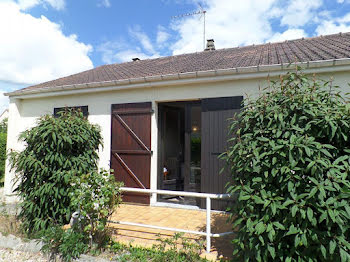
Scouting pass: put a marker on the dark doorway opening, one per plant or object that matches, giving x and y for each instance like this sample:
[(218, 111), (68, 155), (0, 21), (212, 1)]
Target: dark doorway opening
[(193, 134), (180, 151)]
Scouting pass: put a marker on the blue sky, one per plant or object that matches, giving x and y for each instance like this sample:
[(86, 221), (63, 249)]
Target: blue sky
[(45, 39)]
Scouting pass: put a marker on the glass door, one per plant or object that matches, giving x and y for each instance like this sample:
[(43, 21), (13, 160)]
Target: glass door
[(193, 148)]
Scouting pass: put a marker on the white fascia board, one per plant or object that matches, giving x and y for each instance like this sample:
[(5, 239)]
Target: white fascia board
[(211, 76)]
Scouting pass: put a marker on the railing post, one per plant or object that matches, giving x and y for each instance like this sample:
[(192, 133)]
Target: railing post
[(208, 205)]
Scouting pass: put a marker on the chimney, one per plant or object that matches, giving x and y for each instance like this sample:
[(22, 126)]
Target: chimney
[(210, 45), (136, 59)]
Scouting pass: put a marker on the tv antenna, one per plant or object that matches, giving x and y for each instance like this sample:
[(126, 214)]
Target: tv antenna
[(200, 12)]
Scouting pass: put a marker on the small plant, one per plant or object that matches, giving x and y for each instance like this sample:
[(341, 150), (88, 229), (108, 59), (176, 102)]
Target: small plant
[(68, 245), (173, 249), (290, 166), (56, 150), (96, 195), (178, 248)]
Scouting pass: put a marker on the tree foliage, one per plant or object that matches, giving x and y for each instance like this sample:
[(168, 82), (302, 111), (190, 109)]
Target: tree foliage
[(3, 142), (56, 150), (290, 166)]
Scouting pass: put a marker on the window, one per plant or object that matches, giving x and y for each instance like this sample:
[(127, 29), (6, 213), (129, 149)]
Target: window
[(83, 109)]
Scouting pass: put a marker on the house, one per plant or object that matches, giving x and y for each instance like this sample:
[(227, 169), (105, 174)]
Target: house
[(164, 120)]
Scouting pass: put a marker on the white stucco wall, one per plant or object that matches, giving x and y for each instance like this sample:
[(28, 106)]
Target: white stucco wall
[(24, 112)]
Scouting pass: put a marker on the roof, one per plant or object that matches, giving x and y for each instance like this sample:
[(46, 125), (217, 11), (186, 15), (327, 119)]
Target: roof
[(330, 47)]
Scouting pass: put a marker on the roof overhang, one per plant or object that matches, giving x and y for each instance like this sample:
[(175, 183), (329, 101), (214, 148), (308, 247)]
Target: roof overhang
[(219, 75)]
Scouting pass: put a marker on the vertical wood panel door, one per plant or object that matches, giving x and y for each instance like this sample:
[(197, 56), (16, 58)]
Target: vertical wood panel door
[(216, 113), (131, 147)]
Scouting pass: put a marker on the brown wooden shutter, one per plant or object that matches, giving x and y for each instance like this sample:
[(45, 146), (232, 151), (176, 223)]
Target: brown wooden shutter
[(215, 115), (131, 147)]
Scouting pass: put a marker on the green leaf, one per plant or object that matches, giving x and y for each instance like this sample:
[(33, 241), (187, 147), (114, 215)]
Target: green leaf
[(344, 256), (288, 202), (273, 208), (340, 159), (347, 208), (294, 210), (323, 251), (332, 246), (244, 197), (308, 151), (263, 139), (331, 214), (292, 230), (279, 225), (272, 251), (310, 214), (313, 192), (290, 186), (323, 216), (260, 228), (296, 241)]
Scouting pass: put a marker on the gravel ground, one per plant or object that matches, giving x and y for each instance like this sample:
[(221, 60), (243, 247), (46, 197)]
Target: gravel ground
[(9, 255)]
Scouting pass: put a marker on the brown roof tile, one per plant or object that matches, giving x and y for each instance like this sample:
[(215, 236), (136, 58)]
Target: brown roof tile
[(301, 50)]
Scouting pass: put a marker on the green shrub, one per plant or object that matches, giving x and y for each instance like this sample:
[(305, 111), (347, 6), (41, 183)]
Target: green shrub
[(68, 244), (3, 125), (96, 194), (290, 165), (56, 150), (3, 141)]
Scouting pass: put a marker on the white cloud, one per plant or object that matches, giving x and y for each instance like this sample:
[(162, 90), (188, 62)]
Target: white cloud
[(344, 19), (118, 51), (300, 12), (289, 34), (139, 46), (331, 27), (334, 25), (34, 50), (162, 35), (144, 40), (27, 4), (104, 3), (229, 23)]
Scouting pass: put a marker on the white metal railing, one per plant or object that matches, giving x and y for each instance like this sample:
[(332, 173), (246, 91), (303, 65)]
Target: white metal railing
[(208, 198)]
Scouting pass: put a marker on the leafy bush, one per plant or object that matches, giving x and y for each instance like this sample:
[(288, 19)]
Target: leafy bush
[(96, 194), (290, 165), (3, 141), (66, 244), (56, 150), (3, 125)]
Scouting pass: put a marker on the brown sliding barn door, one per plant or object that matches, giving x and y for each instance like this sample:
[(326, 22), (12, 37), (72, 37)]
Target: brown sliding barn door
[(215, 115), (131, 147)]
